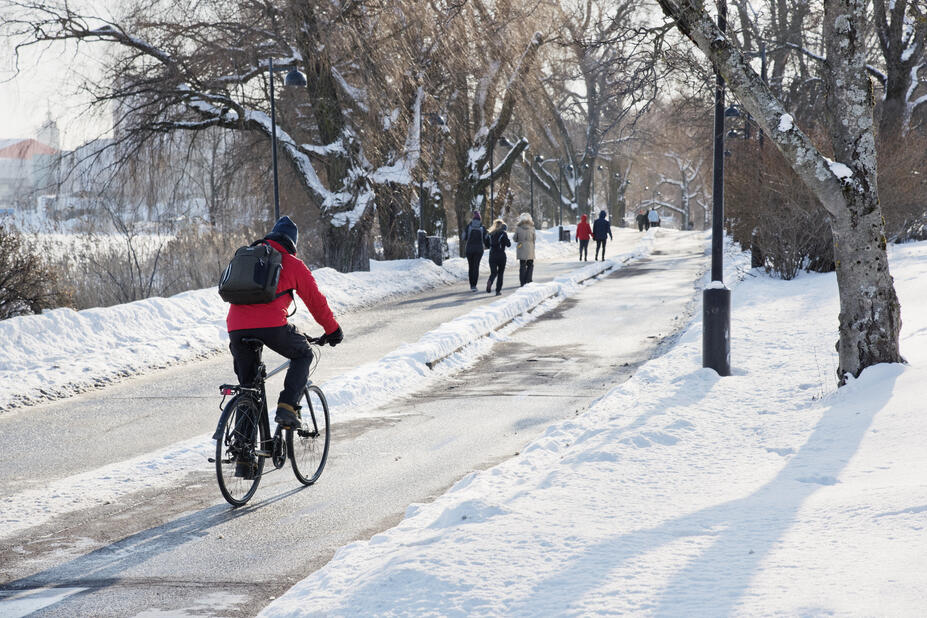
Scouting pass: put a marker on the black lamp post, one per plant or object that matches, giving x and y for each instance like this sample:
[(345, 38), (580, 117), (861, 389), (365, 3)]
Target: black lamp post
[(592, 185), (293, 78), (538, 160), (492, 183), (716, 299), (541, 163), (573, 188)]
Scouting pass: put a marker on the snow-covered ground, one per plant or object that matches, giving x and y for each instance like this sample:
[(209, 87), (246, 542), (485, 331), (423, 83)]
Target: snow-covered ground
[(153, 326), (62, 351), (769, 492)]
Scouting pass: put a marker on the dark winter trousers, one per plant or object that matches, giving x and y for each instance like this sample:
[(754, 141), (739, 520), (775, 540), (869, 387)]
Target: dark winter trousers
[(584, 249), (525, 271), (286, 341), (496, 268), (599, 244), (473, 263)]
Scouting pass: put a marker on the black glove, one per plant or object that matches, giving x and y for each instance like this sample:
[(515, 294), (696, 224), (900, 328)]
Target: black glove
[(333, 338)]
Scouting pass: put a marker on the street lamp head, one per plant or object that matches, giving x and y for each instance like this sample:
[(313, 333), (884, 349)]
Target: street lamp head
[(732, 112), (538, 159), (294, 78)]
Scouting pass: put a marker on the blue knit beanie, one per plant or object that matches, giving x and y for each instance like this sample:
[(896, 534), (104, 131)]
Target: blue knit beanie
[(285, 233)]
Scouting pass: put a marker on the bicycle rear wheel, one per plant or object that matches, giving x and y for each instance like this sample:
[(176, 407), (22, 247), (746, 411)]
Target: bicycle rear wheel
[(238, 469), (308, 447)]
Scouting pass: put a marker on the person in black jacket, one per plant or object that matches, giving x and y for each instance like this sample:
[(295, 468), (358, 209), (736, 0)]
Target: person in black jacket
[(497, 240), (473, 238), (601, 231)]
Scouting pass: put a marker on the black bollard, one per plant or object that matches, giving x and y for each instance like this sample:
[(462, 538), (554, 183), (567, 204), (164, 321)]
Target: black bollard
[(716, 330)]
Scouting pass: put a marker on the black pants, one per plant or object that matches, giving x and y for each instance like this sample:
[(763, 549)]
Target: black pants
[(654, 224), (473, 263), (496, 268), (286, 341), (600, 244), (525, 271), (584, 248)]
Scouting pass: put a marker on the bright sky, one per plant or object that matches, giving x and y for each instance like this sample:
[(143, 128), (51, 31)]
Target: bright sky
[(48, 82)]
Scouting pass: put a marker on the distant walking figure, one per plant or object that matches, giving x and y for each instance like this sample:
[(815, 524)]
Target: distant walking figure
[(601, 232), (583, 234), (653, 217), (496, 241), (642, 221), (524, 248), (474, 237)]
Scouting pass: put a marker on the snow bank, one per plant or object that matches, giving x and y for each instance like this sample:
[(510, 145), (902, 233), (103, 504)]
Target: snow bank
[(681, 493), (458, 344), (62, 352)]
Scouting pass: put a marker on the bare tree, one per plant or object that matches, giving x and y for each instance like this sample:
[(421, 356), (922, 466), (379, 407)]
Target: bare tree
[(901, 26), (846, 186), (603, 76), (207, 67)]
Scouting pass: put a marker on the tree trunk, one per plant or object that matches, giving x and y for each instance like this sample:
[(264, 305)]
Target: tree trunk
[(397, 221), (870, 314), (346, 248)]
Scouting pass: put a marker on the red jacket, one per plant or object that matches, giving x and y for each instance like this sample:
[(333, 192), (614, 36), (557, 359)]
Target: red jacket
[(583, 231), (294, 276)]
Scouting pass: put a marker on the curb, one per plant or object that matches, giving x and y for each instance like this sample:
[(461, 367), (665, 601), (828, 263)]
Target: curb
[(558, 289)]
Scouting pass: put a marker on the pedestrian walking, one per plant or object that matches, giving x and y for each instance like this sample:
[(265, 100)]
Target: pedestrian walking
[(653, 217), (642, 221), (583, 234), (474, 237), (524, 248), (601, 232), (496, 241)]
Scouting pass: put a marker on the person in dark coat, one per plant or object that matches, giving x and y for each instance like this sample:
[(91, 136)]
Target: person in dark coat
[(601, 232), (268, 322), (642, 221), (496, 241), (474, 238), (583, 234)]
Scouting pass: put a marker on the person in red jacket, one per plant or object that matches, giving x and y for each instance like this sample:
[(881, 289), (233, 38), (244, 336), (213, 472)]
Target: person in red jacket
[(268, 322), (583, 234)]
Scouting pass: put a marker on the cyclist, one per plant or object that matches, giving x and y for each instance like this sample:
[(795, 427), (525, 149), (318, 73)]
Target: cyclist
[(268, 322)]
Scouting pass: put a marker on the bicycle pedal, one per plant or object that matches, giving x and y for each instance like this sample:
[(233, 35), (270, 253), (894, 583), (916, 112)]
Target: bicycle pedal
[(262, 453)]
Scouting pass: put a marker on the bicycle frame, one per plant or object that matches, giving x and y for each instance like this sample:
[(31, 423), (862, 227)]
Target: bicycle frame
[(259, 392)]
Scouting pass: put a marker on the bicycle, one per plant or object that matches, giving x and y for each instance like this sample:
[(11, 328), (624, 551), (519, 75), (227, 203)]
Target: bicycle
[(244, 442)]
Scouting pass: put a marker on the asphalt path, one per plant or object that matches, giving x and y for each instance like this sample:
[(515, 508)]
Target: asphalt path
[(184, 551)]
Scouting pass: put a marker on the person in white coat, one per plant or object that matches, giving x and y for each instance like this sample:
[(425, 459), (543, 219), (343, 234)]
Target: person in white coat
[(524, 247)]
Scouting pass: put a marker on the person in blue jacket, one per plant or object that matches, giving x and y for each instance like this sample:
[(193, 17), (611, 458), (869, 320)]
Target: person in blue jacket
[(601, 231)]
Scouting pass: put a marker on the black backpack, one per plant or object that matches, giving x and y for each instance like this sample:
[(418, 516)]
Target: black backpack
[(252, 276)]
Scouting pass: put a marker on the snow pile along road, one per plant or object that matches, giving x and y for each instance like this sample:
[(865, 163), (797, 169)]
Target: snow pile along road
[(768, 492), (458, 343), (62, 351)]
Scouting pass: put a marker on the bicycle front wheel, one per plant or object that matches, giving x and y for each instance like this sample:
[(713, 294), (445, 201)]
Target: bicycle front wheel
[(308, 446), (238, 468)]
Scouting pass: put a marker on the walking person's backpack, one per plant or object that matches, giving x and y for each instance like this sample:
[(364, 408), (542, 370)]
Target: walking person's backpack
[(252, 275)]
